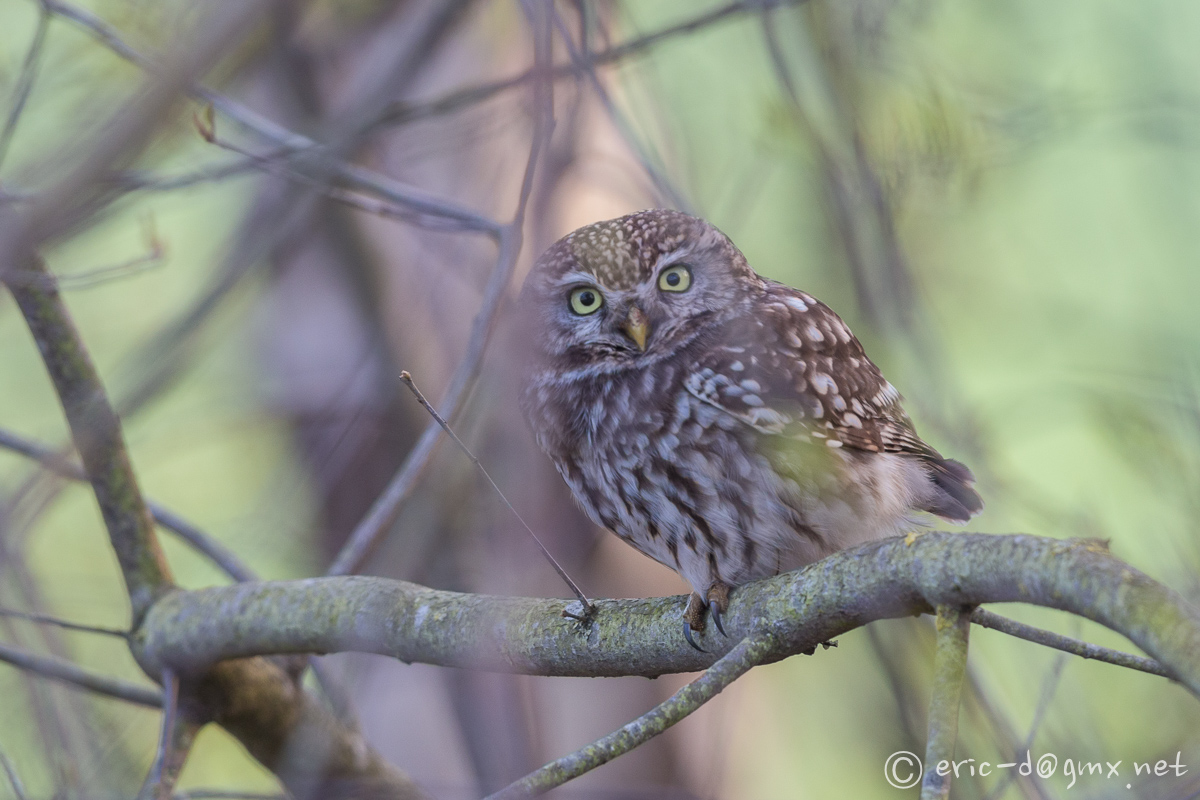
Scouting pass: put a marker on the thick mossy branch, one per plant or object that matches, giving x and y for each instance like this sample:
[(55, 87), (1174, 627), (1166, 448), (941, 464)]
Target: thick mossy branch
[(96, 431), (890, 578), (295, 736), (300, 741)]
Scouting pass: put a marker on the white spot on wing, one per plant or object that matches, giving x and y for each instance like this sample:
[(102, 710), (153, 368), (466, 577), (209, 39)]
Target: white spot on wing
[(823, 383)]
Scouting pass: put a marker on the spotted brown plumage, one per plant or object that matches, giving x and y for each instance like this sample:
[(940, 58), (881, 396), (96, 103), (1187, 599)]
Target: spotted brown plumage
[(727, 426)]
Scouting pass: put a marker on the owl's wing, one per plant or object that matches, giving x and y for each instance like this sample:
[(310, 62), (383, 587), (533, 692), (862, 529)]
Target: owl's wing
[(795, 370)]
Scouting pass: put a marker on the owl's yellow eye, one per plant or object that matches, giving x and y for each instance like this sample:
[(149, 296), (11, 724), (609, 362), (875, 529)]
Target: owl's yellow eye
[(586, 300), (675, 279)]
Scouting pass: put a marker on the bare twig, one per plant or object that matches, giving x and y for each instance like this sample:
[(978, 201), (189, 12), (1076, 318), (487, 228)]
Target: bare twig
[(150, 789), (748, 653), (215, 551), (405, 112), (151, 259), (228, 561), (253, 699), (176, 735), (1049, 686), (386, 508), (29, 69), (221, 556), (64, 671), (44, 619), (226, 794), (278, 165), (142, 181), (124, 133), (585, 65), (422, 203), (14, 780), (878, 267), (562, 573), (949, 669), (1067, 644), (1004, 736)]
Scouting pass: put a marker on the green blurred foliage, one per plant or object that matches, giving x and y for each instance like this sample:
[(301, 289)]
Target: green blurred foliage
[(1041, 165)]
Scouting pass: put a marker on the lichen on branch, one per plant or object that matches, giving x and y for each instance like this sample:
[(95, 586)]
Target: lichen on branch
[(800, 610)]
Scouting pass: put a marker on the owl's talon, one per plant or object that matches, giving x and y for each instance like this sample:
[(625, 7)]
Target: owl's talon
[(718, 601), (714, 610), (693, 620)]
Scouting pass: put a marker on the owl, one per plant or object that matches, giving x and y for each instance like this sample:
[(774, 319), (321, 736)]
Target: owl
[(725, 425)]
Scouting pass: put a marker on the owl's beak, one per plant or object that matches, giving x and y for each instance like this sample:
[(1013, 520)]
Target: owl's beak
[(637, 327)]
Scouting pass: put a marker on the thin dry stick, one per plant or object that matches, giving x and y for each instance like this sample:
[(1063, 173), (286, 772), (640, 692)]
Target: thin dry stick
[(1049, 687), (949, 669), (1004, 736), (144, 181), (151, 788), (45, 619), (353, 176), (226, 794), (387, 507), (588, 608), (1069, 645), (641, 150), (458, 99), (747, 653), (220, 555), (280, 167), (64, 671), (59, 464), (153, 258), (29, 69), (176, 736), (97, 433), (14, 780)]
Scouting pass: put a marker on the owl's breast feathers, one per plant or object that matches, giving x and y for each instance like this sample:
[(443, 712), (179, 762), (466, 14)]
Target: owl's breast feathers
[(795, 371)]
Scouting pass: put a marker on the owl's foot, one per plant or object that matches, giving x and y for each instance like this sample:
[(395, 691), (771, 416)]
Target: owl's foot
[(714, 604), (693, 620), (718, 601)]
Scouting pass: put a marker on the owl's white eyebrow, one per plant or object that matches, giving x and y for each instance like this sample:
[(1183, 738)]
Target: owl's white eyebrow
[(576, 277), (673, 257)]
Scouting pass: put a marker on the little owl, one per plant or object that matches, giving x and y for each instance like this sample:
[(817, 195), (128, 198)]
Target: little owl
[(725, 425)]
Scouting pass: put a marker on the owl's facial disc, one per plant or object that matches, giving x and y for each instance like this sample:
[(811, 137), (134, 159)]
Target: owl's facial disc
[(631, 291)]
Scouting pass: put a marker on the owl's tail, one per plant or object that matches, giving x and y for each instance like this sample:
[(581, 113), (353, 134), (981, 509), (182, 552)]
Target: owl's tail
[(954, 498)]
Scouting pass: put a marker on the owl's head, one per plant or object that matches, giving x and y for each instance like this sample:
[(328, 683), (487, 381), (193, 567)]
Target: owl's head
[(633, 288)]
